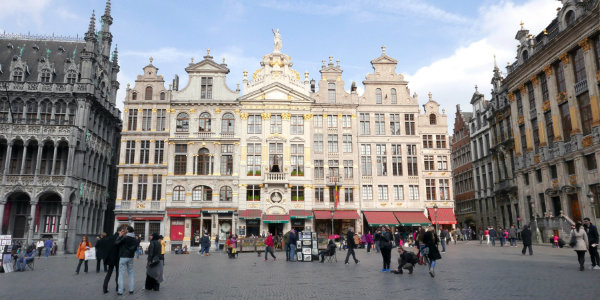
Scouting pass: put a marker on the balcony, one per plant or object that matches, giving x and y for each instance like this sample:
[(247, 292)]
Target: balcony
[(581, 87), (334, 180), (275, 178), (125, 204)]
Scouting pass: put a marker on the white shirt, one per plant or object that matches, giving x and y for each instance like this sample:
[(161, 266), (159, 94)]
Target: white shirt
[(40, 244)]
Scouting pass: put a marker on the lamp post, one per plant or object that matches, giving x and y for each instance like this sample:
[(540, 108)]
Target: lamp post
[(538, 234), (590, 196), (332, 212), (435, 210)]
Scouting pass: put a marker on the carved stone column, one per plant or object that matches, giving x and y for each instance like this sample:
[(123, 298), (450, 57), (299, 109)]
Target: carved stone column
[(8, 158), (32, 223), (39, 158), (60, 242), (54, 158), (23, 159)]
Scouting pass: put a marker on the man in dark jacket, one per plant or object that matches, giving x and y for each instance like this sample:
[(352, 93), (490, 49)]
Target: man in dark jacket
[(101, 249), (286, 245), (111, 259), (351, 245), (128, 245), (293, 239), (526, 237), (493, 236), (443, 237), (592, 233)]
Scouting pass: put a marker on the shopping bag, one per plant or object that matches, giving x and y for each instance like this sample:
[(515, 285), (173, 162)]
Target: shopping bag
[(90, 254)]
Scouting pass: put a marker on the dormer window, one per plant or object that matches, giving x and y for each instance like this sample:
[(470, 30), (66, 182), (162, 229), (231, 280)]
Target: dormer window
[(148, 95), (18, 74), (134, 96), (432, 119), (525, 55), (162, 96), (570, 17), (394, 96), (331, 92), (46, 76), (378, 96), (71, 77), (206, 88)]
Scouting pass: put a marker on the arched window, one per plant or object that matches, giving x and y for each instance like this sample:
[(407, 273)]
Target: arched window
[(18, 74), (202, 193), (45, 76), (525, 55), (570, 17), (225, 195), (227, 123), (394, 96), (162, 96), (378, 96), (72, 112), (204, 162), (71, 77), (45, 111), (134, 96), (3, 110), (32, 110), (204, 122), (17, 110), (148, 95), (60, 111), (432, 119), (178, 193), (183, 122)]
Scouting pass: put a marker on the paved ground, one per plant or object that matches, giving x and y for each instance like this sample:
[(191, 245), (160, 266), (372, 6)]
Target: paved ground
[(467, 271)]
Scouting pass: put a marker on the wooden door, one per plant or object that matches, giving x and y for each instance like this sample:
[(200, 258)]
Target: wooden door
[(575, 209)]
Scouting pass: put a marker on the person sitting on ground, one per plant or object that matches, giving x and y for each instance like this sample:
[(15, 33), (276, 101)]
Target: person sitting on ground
[(406, 260), (329, 251), (178, 250), (185, 250), (24, 258)]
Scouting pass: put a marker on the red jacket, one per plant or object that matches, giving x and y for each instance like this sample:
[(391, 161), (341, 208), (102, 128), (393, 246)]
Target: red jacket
[(269, 241)]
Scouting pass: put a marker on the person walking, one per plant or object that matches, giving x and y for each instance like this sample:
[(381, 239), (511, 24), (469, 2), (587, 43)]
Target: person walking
[(204, 245), (492, 235), (351, 245), (512, 236), (592, 233), (293, 239), (217, 243), (84, 245), (526, 237), (385, 245), (432, 253), (48, 246), (154, 266), (581, 243), (286, 245), (269, 247), (101, 249), (111, 260), (443, 237), (128, 245), (162, 242), (369, 239)]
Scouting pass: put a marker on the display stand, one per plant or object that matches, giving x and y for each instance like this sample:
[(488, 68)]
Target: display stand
[(307, 246)]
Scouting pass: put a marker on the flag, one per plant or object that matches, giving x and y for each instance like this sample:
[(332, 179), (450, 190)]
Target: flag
[(337, 196)]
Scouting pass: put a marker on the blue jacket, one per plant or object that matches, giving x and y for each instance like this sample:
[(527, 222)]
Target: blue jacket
[(48, 244), (293, 238)]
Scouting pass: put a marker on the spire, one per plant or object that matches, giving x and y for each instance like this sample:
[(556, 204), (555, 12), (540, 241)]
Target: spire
[(116, 55), (90, 35), (106, 18), (107, 8), (495, 63)]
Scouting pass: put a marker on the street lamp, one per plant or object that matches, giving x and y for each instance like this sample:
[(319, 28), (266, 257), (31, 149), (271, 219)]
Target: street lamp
[(590, 196), (332, 212), (538, 234), (435, 210)]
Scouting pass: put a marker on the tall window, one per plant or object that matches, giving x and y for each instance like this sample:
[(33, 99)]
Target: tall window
[(442, 162), (444, 189), (142, 187), (519, 103), (226, 159), (45, 111), (148, 93), (440, 141), (297, 193), (254, 159), (60, 112), (348, 169), (549, 127), (32, 111), (598, 66), (346, 121), (381, 153), (146, 119), (204, 122), (144, 152), (413, 192), (206, 88), (332, 143), (319, 169), (334, 170), (367, 191), (319, 195), (276, 124), (204, 162), (398, 192), (297, 124), (365, 124), (159, 152), (318, 143), (365, 160), (297, 159), (163, 96), (201, 193), (544, 86), (227, 123), (161, 117), (347, 143), (378, 96), (180, 159), (156, 187), (45, 76), (585, 110), (134, 95), (432, 119), (565, 117), (411, 160), (409, 124), (428, 159), (536, 134), (430, 189), (579, 66), (179, 193), (348, 195), (318, 121), (394, 96), (127, 187), (276, 157), (253, 193), (523, 138), (225, 194), (379, 124), (254, 124), (560, 78), (395, 124), (17, 111), (331, 93), (183, 122), (382, 191), (129, 152), (18, 74), (396, 160), (332, 121), (427, 141)]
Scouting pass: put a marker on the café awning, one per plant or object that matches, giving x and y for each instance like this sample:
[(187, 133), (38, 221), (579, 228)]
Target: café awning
[(443, 216), (301, 214), (337, 215), (139, 217), (412, 218), (184, 212), (379, 218), (250, 214), (275, 218)]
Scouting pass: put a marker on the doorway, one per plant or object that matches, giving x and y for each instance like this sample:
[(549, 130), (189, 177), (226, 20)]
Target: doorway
[(276, 228), (575, 209), (556, 206), (298, 224), (196, 233)]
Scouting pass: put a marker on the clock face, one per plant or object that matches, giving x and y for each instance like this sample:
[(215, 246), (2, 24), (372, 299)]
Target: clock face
[(276, 197), (225, 227)]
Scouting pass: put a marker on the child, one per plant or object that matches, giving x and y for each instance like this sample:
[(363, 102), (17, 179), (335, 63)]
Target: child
[(555, 241)]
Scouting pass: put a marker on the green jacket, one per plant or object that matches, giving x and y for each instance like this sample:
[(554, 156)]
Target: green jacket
[(286, 237)]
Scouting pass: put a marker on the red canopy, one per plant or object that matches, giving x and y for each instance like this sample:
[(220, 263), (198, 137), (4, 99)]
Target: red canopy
[(444, 216), (378, 218), (250, 214)]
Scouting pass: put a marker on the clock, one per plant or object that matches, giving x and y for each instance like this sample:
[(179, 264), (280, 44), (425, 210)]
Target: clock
[(225, 227)]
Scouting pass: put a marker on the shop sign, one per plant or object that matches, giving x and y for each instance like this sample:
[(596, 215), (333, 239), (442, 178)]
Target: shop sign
[(253, 222)]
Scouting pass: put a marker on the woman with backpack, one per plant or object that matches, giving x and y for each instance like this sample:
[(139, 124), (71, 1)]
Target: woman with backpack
[(579, 242)]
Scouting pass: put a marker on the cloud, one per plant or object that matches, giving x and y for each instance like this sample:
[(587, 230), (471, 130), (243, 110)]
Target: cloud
[(452, 79), (23, 12)]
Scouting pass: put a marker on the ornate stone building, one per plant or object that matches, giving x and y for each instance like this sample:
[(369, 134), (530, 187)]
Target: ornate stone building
[(549, 103), (462, 169), (277, 153), (58, 129)]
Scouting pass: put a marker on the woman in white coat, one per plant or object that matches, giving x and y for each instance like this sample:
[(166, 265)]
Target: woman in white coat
[(581, 245)]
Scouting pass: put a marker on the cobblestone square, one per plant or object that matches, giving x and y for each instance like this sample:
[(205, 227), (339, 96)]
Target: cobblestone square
[(467, 271)]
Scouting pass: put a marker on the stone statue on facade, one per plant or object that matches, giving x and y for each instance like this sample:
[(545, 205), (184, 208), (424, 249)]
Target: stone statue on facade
[(276, 40)]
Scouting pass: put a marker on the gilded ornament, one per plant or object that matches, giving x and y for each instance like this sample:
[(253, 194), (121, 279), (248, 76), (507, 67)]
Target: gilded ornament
[(244, 115), (308, 116), (511, 97), (585, 45), (218, 110), (534, 80), (265, 116), (548, 70), (587, 141), (546, 105), (564, 58)]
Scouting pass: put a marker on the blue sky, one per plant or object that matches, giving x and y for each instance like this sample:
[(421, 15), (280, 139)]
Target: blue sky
[(443, 47)]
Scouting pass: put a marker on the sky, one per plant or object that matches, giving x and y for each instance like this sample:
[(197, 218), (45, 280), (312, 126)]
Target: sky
[(443, 47)]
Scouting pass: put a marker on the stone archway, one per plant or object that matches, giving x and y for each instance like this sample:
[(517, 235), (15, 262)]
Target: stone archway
[(47, 220), (16, 211)]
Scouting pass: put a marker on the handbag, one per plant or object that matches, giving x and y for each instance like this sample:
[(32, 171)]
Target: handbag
[(573, 240), (90, 254)]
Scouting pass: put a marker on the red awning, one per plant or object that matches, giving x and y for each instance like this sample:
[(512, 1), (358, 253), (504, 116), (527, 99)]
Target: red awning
[(301, 214), (184, 212), (411, 218), (378, 218), (345, 214), (322, 214), (443, 216), (139, 217), (276, 218), (250, 214)]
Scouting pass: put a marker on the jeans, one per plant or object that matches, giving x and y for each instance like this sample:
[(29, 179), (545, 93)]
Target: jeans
[(292, 252), (502, 241), (48, 251), (287, 251), (431, 265), (217, 245), (581, 258), (369, 247), (443, 240), (22, 263), (203, 249), (125, 263), (269, 250), (594, 256), (493, 239), (513, 242), (351, 252), (85, 269)]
